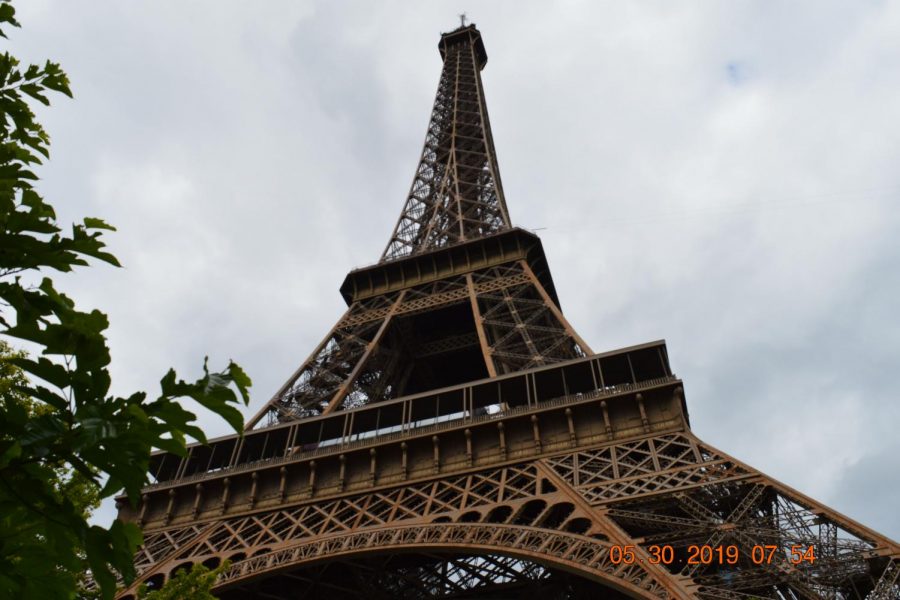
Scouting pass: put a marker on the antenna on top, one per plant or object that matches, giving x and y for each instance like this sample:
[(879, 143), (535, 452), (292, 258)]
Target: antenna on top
[(462, 20)]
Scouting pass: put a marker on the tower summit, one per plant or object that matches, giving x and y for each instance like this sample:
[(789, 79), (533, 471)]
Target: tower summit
[(453, 436), (456, 194)]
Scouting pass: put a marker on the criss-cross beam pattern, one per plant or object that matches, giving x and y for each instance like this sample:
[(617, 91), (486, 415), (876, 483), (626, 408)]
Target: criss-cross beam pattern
[(349, 366), (568, 511), (424, 576), (512, 510), (378, 345), (645, 488), (415, 576), (456, 193)]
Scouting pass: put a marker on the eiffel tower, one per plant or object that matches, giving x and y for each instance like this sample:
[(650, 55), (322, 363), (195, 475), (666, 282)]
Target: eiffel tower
[(452, 436)]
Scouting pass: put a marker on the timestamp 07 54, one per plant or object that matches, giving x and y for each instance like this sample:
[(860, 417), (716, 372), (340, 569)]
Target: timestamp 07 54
[(708, 555)]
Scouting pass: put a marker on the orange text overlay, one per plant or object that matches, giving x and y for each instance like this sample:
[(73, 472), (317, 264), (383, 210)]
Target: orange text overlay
[(709, 555)]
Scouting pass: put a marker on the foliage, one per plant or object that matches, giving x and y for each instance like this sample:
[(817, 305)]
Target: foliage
[(59, 413), (194, 583), (67, 482)]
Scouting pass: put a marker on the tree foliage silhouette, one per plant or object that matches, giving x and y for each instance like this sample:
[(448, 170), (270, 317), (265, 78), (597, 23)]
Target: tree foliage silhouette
[(57, 413)]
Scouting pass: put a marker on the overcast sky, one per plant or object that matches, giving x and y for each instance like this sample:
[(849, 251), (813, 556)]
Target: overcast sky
[(721, 175)]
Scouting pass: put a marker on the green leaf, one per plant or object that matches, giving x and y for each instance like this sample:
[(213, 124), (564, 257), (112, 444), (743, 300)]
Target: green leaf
[(50, 372), (92, 223), (65, 441)]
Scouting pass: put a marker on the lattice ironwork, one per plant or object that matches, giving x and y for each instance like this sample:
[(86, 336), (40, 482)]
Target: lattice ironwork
[(645, 467), (456, 193), (567, 510), (563, 549), (369, 353), (419, 576), (522, 329), (502, 458), (888, 586), (730, 506)]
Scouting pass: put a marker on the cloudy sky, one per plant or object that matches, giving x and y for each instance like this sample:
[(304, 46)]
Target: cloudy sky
[(721, 175)]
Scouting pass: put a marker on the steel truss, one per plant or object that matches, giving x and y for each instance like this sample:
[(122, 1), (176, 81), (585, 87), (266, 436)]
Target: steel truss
[(423, 576), (372, 350), (452, 437), (563, 512), (456, 193)]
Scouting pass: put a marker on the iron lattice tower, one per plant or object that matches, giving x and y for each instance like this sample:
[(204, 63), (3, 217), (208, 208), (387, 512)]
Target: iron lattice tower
[(452, 436)]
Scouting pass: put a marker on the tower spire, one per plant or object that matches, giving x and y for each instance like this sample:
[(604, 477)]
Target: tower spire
[(456, 194)]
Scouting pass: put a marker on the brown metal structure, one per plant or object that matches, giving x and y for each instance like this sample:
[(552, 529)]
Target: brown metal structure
[(452, 436)]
